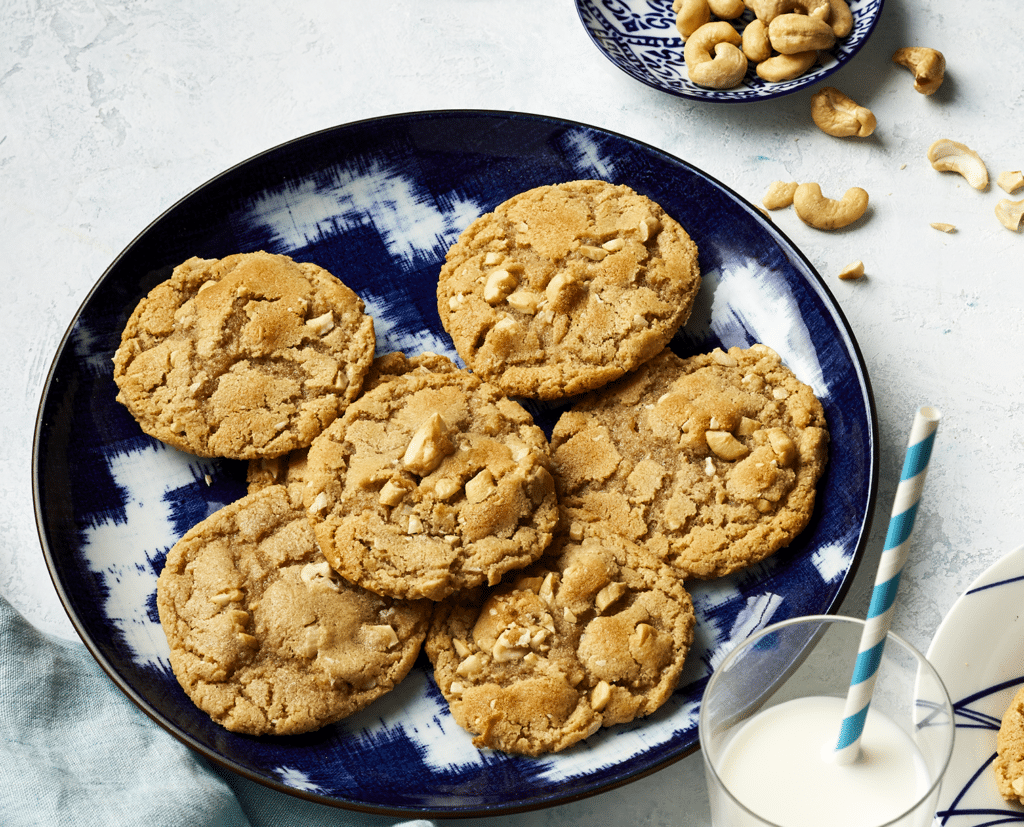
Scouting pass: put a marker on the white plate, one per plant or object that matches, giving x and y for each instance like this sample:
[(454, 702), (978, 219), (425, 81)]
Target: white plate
[(978, 650)]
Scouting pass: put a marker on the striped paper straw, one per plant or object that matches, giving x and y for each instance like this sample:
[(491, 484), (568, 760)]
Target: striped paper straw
[(887, 580)]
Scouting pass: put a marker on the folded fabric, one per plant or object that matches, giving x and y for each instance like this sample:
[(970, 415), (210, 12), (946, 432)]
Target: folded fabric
[(74, 750)]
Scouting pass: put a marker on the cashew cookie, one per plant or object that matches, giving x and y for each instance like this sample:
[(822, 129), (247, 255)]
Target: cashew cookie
[(248, 356), (592, 635), (711, 462), (566, 287)]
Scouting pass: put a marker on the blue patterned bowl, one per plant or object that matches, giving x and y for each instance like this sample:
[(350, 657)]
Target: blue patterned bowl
[(378, 203), (640, 37)]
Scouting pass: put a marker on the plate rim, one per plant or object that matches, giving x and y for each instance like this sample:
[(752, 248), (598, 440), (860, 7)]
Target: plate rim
[(554, 799), (1013, 559), (687, 95)]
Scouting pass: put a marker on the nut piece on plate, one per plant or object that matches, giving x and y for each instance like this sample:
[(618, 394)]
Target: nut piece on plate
[(1010, 181), (854, 270), (951, 156), (928, 66), (690, 16), (791, 34), (839, 115), (1010, 213), (785, 67), (779, 195), (823, 213)]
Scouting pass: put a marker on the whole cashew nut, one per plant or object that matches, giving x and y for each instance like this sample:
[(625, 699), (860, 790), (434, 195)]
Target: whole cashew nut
[(767, 10), (1010, 213), (756, 45), (822, 213), (928, 66), (791, 34), (841, 18), (728, 65), (727, 9), (950, 156), (839, 115), (785, 67), (690, 16)]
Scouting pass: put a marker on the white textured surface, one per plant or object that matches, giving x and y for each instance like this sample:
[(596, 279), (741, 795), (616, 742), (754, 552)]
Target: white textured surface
[(112, 111)]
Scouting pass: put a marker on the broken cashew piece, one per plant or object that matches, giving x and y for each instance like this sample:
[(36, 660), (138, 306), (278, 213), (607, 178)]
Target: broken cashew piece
[(950, 156), (1010, 213), (853, 270), (779, 195), (942, 227), (785, 67), (928, 66), (728, 65), (1010, 181), (822, 213), (839, 115)]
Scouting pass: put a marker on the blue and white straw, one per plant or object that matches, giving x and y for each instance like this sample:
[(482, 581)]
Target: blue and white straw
[(887, 579)]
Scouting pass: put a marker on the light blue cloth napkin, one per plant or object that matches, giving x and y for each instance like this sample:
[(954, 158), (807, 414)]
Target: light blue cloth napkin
[(75, 751)]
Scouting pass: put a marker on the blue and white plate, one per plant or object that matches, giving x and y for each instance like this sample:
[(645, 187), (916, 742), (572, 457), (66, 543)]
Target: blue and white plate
[(640, 37), (378, 203), (978, 650)]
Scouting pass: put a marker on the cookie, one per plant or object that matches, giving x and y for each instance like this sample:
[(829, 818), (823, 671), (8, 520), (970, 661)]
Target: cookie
[(592, 635), (248, 356), (429, 483), (1009, 763), (290, 470), (563, 288), (710, 461), (264, 637)]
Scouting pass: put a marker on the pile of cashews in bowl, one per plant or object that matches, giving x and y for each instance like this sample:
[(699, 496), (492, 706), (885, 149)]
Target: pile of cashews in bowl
[(783, 39)]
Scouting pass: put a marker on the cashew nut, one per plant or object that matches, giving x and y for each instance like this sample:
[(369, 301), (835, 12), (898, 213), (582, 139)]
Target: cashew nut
[(779, 195), (951, 156), (928, 66), (841, 17), (791, 34), (853, 270), (728, 66), (942, 227), (690, 16), (822, 213), (1010, 213), (767, 10), (1010, 181), (785, 67), (727, 9), (839, 115), (756, 45)]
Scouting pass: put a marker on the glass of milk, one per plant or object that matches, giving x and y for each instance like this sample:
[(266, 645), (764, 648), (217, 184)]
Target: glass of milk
[(770, 719)]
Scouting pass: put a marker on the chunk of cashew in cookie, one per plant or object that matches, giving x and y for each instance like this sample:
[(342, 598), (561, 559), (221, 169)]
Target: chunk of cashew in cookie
[(767, 10), (840, 17), (791, 34), (727, 9), (690, 16), (756, 45), (822, 213), (951, 156), (728, 65), (928, 66), (839, 115), (785, 67), (1010, 213)]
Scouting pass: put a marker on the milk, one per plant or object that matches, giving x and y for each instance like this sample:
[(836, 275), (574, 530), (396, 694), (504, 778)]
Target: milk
[(780, 765)]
